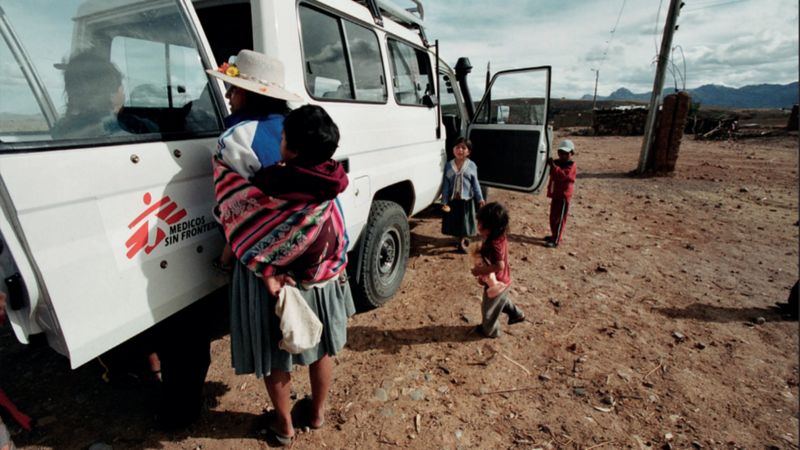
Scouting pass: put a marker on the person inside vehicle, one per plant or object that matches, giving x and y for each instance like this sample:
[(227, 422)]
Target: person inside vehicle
[(95, 97)]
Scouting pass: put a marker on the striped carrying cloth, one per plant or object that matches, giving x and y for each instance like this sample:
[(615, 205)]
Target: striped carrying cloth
[(266, 232)]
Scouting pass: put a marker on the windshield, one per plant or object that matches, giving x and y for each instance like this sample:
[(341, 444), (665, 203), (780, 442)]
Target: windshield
[(100, 71)]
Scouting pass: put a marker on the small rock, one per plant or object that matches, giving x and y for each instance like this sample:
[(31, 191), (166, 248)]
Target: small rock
[(760, 321), (579, 391), (744, 189), (381, 395), (459, 433), (608, 399), (573, 347), (700, 346), (678, 336), (697, 445), (555, 302), (562, 267), (647, 384), (544, 377), (416, 395), (387, 412), (601, 269), (483, 389), (573, 254), (668, 436)]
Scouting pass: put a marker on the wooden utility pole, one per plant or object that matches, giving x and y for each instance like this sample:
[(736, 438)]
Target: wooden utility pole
[(596, 77), (658, 85)]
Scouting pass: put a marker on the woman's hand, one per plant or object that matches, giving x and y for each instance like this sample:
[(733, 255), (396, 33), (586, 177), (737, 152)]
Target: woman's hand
[(481, 203), (275, 283)]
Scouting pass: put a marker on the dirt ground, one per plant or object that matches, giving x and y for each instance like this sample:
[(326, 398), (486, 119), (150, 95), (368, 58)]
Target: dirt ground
[(651, 326)]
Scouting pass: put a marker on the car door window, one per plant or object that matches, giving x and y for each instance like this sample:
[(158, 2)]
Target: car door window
[(101, 73), (517, 99), (411, 73), (342, 59), (327, 76)]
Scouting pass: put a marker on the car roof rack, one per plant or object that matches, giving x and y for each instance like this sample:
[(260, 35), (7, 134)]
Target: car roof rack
[(408, 17)]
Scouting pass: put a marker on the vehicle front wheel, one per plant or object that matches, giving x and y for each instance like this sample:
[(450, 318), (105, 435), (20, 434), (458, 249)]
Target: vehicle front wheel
[(381, 256)]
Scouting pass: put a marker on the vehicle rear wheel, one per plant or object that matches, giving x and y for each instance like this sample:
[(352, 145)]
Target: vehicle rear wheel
[(381, 256)]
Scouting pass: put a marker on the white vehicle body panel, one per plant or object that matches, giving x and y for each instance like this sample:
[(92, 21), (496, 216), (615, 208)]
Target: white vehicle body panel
[(114, 236)]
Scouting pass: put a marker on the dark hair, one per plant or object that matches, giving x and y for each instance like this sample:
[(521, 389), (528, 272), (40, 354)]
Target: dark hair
[(262, 105), (311, 133), (465, 141), (90, 82), (494, 218)]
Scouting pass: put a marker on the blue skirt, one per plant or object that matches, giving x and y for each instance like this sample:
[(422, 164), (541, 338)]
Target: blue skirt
[(255, 328), (460, 221)]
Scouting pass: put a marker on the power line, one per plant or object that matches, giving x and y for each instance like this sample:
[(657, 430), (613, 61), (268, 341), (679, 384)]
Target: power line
[(613, 30), (655, 28), (713, 5)]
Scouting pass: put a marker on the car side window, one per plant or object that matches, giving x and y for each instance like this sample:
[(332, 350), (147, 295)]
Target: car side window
[(411, 73), (342, 59), (106, 72)]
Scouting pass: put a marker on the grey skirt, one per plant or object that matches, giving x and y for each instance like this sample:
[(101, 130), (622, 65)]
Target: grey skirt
[(255, 328)]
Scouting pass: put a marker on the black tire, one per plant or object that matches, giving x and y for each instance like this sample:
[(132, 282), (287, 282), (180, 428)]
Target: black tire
[(381, 257)]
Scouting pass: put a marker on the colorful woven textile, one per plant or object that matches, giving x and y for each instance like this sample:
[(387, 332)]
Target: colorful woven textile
[(267, 233)]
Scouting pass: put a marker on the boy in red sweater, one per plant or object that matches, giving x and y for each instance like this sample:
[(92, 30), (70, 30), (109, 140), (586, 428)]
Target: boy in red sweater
[(559, 189)]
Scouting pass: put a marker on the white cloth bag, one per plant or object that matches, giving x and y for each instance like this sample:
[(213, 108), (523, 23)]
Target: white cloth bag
[(300, 327)]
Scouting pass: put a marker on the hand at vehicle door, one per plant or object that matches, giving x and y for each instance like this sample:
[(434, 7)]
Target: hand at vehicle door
[(274, 284), (2, 308)]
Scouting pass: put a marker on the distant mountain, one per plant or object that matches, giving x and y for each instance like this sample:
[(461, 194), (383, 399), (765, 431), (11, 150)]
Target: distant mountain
[(752, 96)]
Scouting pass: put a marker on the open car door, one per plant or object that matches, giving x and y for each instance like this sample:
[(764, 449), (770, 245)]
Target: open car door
[(509, 133), (106, 197)]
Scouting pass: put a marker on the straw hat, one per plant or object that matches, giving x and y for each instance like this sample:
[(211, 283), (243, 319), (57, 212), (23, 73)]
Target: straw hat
[(257, 73)]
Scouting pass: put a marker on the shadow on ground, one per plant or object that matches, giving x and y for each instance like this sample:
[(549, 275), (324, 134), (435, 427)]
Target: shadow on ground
[(363, 338), (711, 313)]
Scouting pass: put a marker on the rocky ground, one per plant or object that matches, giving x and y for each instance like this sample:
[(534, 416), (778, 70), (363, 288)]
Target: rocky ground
[(651, 326)]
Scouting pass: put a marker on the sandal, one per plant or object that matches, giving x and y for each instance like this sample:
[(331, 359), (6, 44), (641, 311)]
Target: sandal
[(282, 439), (463, 245), (301, 414)]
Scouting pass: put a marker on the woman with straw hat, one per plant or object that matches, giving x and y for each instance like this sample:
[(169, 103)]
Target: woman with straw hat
[(274, 234)]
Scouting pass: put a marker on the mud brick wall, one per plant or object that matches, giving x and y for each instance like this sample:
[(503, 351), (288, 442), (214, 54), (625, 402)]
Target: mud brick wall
[(669, 131), (792, 124), (619, 122)]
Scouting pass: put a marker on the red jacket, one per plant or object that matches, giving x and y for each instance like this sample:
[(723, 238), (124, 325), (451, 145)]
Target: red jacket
[(562, 179)]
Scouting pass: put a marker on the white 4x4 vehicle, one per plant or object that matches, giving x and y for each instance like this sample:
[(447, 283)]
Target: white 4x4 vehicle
[(109, 231)]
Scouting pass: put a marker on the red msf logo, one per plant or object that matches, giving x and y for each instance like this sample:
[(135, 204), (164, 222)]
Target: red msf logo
[(164, 211)]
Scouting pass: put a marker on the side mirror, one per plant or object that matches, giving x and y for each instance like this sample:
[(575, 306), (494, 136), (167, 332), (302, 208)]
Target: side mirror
[(428, 100)]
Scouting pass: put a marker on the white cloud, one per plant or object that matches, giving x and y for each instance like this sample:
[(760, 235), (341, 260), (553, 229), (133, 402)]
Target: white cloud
[(737, 43)]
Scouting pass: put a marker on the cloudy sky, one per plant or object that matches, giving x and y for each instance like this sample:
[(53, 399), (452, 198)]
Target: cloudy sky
[(728, 42)]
